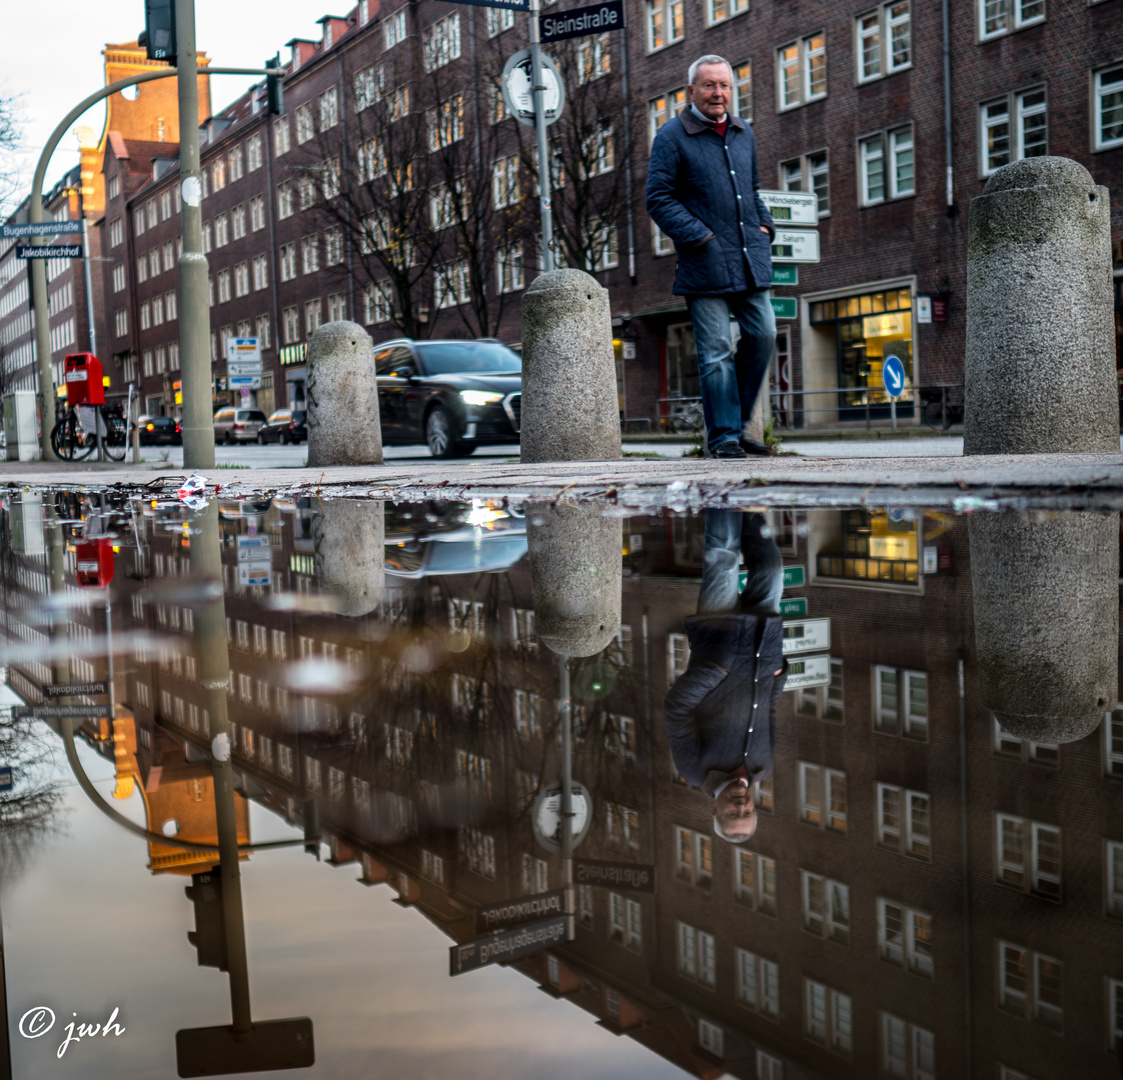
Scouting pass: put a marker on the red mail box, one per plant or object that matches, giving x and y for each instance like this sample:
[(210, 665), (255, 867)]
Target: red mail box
[(94, 563), (83, 375)]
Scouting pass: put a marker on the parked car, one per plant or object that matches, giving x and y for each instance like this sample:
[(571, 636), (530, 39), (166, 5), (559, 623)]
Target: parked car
[(237, 425), (284, 426), (450, 395), (159, 431)]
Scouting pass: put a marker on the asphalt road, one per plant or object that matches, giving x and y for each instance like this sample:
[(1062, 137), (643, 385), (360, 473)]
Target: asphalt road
[(276, 456)]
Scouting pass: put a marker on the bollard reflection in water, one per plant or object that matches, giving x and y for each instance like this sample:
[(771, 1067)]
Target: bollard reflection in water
[(350, 556), (575, 577), (1046, 598)]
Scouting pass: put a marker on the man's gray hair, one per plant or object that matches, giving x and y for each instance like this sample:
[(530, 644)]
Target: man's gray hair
[(709, 58), (730, 838)]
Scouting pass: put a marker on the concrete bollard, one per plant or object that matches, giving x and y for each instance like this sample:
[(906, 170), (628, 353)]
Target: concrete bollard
[(350, 555), (1040, 356), (570, 410), (1046, 596), (575, 577), (344, 427)]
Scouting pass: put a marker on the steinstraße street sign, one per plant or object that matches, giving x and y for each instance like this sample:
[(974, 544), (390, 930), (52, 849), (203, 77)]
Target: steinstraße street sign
[(507, 946), (49, 251), (634, 877), (53, 689), (516, 82), (808, 671), (806, 635), (507, 914), (41, 228), (583, 21)]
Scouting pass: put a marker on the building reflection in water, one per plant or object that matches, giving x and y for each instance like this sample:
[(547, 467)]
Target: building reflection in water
[(925, 893)]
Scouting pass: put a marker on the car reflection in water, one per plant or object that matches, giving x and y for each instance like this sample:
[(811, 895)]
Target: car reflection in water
[(463, 540)]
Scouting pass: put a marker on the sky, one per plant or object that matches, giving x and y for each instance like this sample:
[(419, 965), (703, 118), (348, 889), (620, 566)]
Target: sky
[(65, 65)]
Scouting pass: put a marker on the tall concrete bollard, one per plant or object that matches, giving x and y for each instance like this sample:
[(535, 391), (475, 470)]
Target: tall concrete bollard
[(575, 577), (1046, 595), (344, 427), (570, 410), (1040, 358), (350, 554)]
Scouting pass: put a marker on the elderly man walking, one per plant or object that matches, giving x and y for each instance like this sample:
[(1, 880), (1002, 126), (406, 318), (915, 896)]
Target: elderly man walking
[(702, 186)]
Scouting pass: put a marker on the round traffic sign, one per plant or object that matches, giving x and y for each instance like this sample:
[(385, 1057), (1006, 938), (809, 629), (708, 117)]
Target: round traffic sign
[(893, 376), (546, 816), (517, 81)]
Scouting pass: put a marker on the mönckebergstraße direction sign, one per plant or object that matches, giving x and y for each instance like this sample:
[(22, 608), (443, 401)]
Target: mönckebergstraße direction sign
[(41, 228), (582, 21), (49, 251), (508, 946)]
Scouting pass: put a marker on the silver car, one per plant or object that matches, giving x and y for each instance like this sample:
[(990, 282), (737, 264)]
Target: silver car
[(237, 425)]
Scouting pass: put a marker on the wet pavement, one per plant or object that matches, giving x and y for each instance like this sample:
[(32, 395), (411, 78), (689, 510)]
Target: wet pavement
[(518, 786)]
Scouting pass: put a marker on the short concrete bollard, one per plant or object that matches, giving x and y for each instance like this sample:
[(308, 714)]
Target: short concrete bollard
[(344, 427), (350, 553), (1046, 595), (1040, 356), (569, 407), (575, 577)]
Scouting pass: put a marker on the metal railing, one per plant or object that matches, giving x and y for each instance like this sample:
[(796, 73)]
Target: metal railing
[(941, 406)]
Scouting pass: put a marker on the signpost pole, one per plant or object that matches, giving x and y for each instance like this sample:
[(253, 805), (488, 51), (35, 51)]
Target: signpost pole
[(566, 793), (538, 91)]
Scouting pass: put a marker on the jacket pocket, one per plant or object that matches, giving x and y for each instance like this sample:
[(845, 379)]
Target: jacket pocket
[(703, 270)]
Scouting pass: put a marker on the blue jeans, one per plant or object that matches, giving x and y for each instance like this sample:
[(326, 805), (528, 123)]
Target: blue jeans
[(730, 533), (731, 380)]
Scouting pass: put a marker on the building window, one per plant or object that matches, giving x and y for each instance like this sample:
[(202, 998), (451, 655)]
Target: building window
[(287, 258), (505, 188), (1013, 127), (310, 254), (802, 71), (997, 17), (603, 246), (1115, 1014), (662, 109), (1114, 875), (827, 1016), (378, 302), (625, 921), (368, 84), (907, 1050), (720, 10), (121, 322), (1107, 107), (886, 166), (598, 153), (241, 279), (826, 907), (661, 243), (696, 955), (1029, 985), (337, 307), (594, 58), (678, 656), (1010, 746), (900, 702), (329, 109), (264, 332), (223, 286), (1113, 742), (621, 825), (758, 983), (253, 153), (452, 285), (476, 852), (535, 873), (1028, 855), (305, 126), (822, 796), (584, 892), (666, 22), (313, 314), (904, 936), (445, 123), (119, 277), (810, 173), (711, 1038), (398, 106), (260, 272), (116, 232), (694, 858), (823, 702), (257, 213), (884, 41), (281, 142), (284, 200), (291, 320), (394, 28), (441, 42), (903, 821)]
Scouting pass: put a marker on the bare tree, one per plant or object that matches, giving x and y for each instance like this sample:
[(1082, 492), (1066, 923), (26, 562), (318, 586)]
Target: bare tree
[(10, 141)]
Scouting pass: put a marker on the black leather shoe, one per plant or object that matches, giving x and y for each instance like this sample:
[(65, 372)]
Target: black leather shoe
[(753, 448), (730, 450)]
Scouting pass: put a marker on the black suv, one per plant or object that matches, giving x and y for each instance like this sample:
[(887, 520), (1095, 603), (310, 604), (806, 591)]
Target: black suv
[(451, 395)]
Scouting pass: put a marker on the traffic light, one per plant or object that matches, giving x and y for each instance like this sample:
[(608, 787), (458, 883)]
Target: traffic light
[(209, 935), (275, 87), (159, 30)]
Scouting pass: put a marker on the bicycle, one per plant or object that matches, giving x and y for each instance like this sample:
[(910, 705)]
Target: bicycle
[(71, 442), (687, 418), (943, 406)]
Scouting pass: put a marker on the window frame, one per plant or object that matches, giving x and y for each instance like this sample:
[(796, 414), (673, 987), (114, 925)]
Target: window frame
[(1015, 128), (910, 957), (834, 924), (712, 20), (885, 42), (804, 56), (666, 9), (1015, 21), (1098, 143), (764, 997), (831, 1002)]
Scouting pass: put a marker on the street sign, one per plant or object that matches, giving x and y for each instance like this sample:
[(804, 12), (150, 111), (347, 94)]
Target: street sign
[(793, 577), (796, 605), (806, 635), (893, 376), (808, 671), (508, 914), (237, 382), (583, 21), (791, 207), (516, 82), (243, 351), (515, 5), (785, 275), (795, 246), (546, 816), (507, 946), (254, 549), (5, 778), (57, 712), (268, 1046), (633, 877), (43, 228), (49, 251), (53, 689), (784, 307)]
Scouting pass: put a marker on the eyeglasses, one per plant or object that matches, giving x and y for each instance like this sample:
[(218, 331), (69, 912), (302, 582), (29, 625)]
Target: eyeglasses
[(710, 87)]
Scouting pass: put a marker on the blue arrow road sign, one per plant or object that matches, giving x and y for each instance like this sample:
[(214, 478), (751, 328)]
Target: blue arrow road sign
[(893, 375), (6, 778)]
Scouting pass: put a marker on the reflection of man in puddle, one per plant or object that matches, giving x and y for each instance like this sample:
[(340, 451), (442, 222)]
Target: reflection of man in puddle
[(721, 713)]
